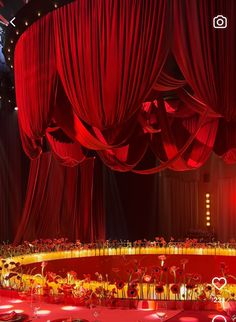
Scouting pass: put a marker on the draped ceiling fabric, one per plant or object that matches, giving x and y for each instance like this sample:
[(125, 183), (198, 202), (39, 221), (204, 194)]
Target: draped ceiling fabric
[(82, 81), (121, 80), (85, 72)]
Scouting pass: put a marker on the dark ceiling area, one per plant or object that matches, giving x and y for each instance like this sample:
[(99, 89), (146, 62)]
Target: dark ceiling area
[(8, 9), (19, 10)]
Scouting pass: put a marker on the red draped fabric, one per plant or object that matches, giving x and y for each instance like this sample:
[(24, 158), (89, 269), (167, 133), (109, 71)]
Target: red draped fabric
[(35, 79), (62, 202), (205, 55), (90, 78), (122, 78), (200, 149), (67, 152), (225, 143), (106, 71)]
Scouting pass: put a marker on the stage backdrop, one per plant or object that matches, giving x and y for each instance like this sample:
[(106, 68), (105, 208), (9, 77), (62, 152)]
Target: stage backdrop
[(83, 87), (118, 205)]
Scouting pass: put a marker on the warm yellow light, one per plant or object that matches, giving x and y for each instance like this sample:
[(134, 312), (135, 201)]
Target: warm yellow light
[(43, 312), (16, 301), (4, 307), (208, 213), (208, 224), (69, 308), (207, 201), (208, 218), (17, 311), (207, 206), (207, 195)]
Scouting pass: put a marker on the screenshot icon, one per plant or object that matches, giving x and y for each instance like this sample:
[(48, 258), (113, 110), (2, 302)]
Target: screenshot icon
[(220, 22)]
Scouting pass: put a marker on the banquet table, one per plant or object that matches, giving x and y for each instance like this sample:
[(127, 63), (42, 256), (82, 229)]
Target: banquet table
[(46, 312)]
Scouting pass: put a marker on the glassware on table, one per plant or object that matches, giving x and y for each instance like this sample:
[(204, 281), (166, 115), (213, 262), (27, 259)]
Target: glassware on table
[(161, 315), (96, 312), (35, 312), (161, 310)]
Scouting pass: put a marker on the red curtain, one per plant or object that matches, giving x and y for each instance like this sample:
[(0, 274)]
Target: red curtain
[(35, 80), (62, 202), (83, 74), (106, 71), (168, 139), (90, 78), (205, 55), (225, 215), (225, 143)]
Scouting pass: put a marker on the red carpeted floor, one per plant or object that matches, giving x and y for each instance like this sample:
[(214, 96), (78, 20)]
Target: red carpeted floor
[(50, 312)]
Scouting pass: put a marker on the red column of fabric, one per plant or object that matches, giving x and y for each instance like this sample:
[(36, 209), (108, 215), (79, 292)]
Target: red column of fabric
[(35, 80), (206, 57), (60, 202)]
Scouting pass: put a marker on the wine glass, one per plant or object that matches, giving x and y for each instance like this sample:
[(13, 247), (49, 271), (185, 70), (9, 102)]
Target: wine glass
[(35, 312), (161, 310), (95, 311), (161, 315), (96, 314)]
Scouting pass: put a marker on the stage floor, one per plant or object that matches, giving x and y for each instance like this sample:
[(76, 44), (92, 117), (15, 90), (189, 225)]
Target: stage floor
[(51, 312)]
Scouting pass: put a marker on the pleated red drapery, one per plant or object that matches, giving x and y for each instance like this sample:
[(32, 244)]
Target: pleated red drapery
[(35, 80), (91, 76), (106, 71), (167, 142), (205, 55), (206, 58), (62, 201)]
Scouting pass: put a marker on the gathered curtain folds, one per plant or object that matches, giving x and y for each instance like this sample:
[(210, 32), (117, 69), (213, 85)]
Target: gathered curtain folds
[(86, 72), (67, 153), (106, 71), (35, 80), (205, 55), (225, 143), (71, 198), (197, 153)]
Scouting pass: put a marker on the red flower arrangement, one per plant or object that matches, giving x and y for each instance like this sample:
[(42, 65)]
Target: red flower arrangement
[(120, 285), (157, 279), (132, 292), (175, 289), (159, 289), (190, 286), (147, 278)]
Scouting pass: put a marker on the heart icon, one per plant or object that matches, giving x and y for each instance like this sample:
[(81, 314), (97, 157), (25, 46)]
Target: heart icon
[(219, 282), (218, 317)]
